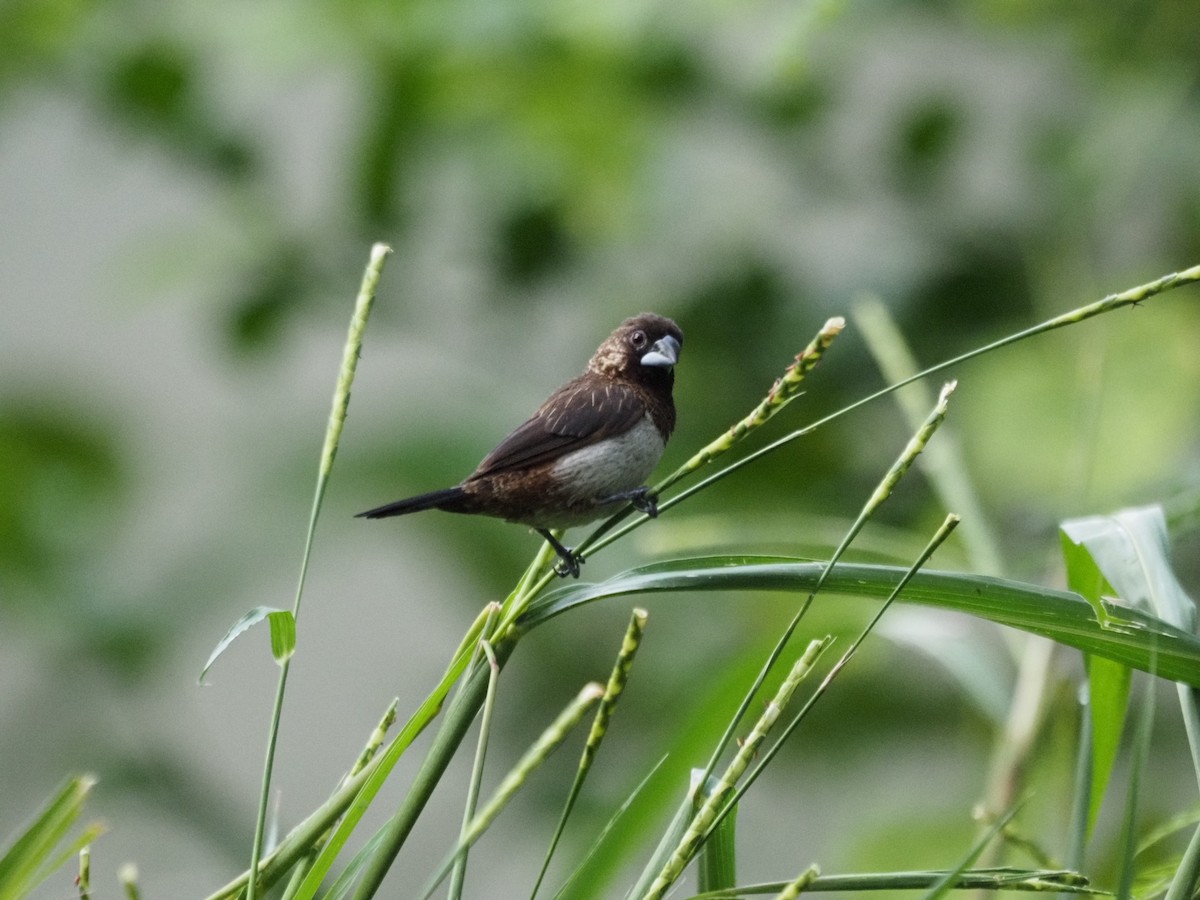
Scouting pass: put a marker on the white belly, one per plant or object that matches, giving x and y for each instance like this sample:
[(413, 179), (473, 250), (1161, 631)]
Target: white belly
[(612, 466)]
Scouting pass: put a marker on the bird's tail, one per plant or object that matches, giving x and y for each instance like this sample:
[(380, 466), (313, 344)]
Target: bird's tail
[(445, 499)]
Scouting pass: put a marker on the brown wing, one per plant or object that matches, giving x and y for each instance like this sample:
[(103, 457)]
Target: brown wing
[(581, 412)]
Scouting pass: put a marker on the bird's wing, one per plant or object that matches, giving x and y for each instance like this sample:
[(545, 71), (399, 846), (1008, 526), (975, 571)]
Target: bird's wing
[(580, 413)]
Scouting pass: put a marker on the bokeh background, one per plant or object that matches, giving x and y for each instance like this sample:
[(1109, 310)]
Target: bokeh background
[(187, 196)]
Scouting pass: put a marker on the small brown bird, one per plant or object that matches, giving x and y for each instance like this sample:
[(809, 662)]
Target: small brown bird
[(586, 451)]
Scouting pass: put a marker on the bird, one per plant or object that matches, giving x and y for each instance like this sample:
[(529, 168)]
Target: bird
[(588, 449)]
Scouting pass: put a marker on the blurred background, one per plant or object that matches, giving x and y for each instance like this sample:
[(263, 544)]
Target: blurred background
[(188, 194)]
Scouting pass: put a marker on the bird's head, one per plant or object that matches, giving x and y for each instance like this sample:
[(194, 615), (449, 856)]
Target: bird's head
[(644, 348)]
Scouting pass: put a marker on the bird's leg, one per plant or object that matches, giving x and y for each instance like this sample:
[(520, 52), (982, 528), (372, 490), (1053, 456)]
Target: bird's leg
[(642, 499), (568, 562)]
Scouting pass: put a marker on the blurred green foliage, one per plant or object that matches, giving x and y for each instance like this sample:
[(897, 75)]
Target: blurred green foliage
[(544, 169)]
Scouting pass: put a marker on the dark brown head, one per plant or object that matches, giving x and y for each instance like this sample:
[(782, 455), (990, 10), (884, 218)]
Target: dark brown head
[(644, 349)]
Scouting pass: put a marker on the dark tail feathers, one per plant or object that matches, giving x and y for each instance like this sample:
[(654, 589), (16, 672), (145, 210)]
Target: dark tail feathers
[(444, 499)]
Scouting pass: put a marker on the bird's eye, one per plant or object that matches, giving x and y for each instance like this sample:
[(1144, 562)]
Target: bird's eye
[(638, 339)]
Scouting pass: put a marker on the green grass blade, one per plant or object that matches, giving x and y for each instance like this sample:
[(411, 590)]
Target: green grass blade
[(244, 624), (617, 680), (340, 889), (995, 879), (80, 845), (547, 743), (947, 882), (1062, 616), (716, 802), (24, 864), (1187, 875), (799, 884), (1137, 768), (716, 862), (458, 719), (671, 838), (459, 872), (882, 491), (1081, 794), (352, 350), (608, 829), (349, 803), (1108, 682), (939, 537), (374, 742), (943, 462)]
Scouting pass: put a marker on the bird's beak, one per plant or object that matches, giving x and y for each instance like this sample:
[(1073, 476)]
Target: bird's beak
[(665, 352)]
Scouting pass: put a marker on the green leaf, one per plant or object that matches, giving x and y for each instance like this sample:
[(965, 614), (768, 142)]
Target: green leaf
[(1130, 555), (1108, 682), (283, 634), (717, 867), (27, 862), (1062, 616), (1108, 694), (1132, 552)]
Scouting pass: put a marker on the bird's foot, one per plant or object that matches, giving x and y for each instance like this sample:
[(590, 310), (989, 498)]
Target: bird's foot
[(642, 499), (568, 566), (568, 560)]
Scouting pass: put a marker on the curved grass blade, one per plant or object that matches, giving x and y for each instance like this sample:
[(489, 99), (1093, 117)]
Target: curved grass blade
[(283, 635), (1062, 616)]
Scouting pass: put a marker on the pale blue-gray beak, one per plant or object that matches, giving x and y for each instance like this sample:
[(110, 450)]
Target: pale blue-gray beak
[(664, 352)]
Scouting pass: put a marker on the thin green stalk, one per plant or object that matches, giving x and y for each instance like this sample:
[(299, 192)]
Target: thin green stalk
[(705, 816), (671, 836), (485, 729), (352, 805), (454, 726), (333, 433), (943, 464), (1137, 768), (374, 742), (799, 884), (1001, 879), (608, 828), (785, 389), (943, 532), (547, 743), (617, 680), (882, 491), (949, 880), (1081, 796)]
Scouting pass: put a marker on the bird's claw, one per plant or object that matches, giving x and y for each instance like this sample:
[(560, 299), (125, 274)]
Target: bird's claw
[(646, 502), (568, 560), (642, 499), (568, 566)]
